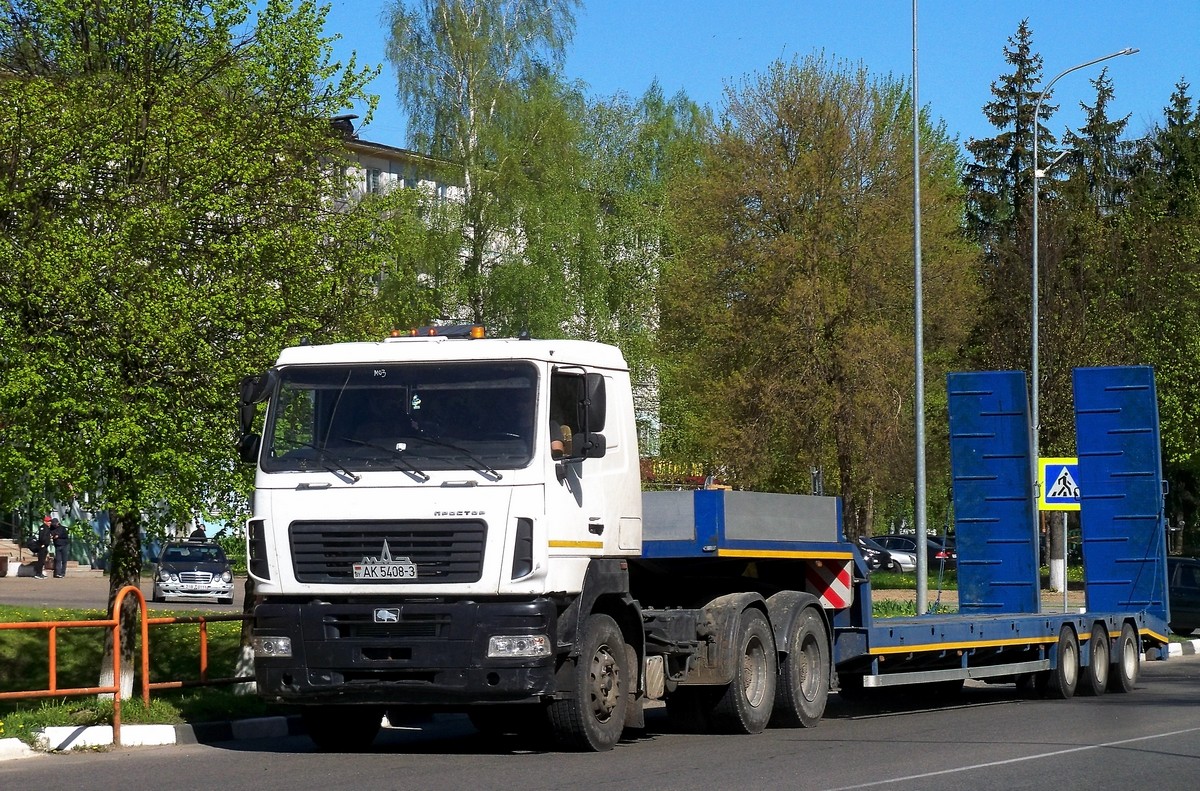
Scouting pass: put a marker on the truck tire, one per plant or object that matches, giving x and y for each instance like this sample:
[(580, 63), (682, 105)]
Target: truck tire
[(1063, 679), (342, 728), (594, 716), (746, 703), (1127, 661), (1095, 675), (803, 685)]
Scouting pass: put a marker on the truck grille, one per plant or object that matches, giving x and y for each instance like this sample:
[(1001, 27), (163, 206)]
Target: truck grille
[(443, 552)]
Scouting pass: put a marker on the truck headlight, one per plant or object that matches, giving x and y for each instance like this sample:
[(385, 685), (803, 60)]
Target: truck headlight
[(526, 646), (272, 646)]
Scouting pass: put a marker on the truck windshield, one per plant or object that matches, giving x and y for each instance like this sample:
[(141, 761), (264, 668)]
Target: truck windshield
[(412, 417)]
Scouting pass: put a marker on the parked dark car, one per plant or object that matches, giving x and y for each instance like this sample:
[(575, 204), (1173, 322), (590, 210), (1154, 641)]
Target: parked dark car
[(937, 553), (1183, 582), (876, 557), (193, 570)]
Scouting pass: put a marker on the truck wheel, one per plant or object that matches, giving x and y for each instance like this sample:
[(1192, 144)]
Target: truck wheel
[(746, 702), (803, 685), (342, 728), (1127, 661), (1063, 680), (1095, 675), (593, 718)]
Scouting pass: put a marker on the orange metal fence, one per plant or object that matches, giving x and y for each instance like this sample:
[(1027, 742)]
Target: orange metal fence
[(114, 622)]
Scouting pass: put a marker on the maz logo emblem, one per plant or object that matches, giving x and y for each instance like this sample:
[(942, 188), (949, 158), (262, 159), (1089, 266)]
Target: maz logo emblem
[(387, 614)]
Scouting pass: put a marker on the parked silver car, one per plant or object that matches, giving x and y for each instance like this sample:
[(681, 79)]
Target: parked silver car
[(937, 554), (193, 570), (897, 559)]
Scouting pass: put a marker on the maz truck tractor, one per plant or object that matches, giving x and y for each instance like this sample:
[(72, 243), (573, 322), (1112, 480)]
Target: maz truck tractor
[(448, 522)]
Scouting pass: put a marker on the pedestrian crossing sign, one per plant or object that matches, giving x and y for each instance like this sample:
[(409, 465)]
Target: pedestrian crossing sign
[(1058, 484)]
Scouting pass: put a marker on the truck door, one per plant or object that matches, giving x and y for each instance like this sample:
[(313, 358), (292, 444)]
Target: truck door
[(575, 494)]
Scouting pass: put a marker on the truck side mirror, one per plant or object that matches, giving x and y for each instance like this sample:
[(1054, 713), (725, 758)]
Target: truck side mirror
[(248, 446), (246, 417), (594, 446), (596, 402), (257, 387)]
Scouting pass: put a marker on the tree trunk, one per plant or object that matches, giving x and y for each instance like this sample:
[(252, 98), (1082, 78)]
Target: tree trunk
[(245, 660), (1058, 552), (125, 568)]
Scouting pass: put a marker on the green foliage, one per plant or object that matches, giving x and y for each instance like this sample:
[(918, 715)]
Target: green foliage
[(560, 219), (164, 202), (234, 545), (787, 322)]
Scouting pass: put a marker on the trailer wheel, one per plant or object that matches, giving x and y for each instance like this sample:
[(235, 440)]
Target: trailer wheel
[(746, 702), (342, 728), (803, 685), (1127, 661), (1063, 680), (1095, 676), (594, 716)]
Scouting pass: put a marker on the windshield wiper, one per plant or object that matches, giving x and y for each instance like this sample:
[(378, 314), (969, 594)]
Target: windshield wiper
[(324, 457), (402, 463), (480, 465)]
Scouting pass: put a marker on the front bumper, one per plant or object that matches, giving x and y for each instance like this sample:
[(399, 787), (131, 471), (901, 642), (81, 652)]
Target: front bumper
[(178, 590), (407, 652)]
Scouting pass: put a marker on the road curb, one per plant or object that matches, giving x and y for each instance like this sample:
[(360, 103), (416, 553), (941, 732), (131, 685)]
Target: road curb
[(1187, 648), (15, 748), (67, 737)]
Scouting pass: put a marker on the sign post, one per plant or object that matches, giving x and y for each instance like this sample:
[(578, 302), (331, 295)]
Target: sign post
[(1058, 490)]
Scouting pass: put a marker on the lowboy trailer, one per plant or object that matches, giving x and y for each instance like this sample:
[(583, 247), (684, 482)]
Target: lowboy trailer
[(420, 543)]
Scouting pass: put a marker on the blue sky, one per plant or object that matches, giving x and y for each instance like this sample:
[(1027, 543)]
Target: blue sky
[(702, 46)]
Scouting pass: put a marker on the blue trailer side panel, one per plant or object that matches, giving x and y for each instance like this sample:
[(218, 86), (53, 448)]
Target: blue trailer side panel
[(994, 505), (1121, 490)]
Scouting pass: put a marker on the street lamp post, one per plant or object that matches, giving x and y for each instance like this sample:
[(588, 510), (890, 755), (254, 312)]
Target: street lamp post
[(1037, 174)]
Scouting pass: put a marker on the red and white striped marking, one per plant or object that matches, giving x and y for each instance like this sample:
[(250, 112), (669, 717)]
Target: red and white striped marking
[(830, 582)]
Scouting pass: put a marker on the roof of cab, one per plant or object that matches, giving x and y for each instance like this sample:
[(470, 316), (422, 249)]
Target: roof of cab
[(438, 348)]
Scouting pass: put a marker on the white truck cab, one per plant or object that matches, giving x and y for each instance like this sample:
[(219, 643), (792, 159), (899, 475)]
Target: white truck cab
[(416, 536)]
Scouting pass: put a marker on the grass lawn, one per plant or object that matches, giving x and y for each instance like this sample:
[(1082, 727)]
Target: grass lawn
[(174, 656)]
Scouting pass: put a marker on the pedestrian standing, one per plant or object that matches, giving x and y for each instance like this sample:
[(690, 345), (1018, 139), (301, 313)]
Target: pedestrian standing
[(61, 538), (41, 545)]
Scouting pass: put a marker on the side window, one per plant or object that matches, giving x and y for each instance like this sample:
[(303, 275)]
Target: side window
[(294, 421), (566, 405)]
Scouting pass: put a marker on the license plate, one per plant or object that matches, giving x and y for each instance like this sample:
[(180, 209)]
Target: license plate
[(385, 571)]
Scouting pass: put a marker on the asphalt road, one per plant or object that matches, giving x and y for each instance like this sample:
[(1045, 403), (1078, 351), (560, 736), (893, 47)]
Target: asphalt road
[(989, 739)]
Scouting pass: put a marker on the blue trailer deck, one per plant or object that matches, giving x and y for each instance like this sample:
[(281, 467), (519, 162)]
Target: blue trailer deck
[(1000, 631)]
